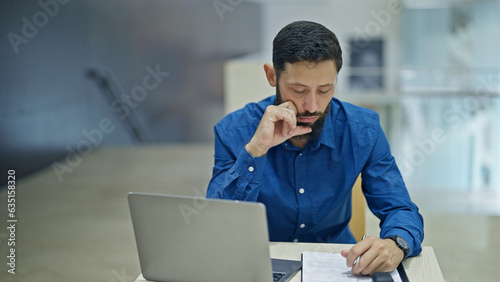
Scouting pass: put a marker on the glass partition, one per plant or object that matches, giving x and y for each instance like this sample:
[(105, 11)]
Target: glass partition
[(448, 134)]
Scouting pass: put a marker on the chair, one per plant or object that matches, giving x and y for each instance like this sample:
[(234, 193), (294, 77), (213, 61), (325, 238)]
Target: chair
[(357, 223)]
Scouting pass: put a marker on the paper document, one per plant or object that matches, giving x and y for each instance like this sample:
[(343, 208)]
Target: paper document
[(319, 266)]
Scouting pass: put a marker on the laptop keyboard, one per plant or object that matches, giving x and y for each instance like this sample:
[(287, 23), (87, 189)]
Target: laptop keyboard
[(277, 276)]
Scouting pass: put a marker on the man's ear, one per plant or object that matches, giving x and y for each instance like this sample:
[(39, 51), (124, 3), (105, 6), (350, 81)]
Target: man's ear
[(270, 74)]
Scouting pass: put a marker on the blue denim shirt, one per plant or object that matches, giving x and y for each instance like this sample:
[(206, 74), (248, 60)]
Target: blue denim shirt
[(307, 192)]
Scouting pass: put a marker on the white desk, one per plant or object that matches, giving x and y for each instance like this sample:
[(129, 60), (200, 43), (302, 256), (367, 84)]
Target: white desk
[(422, 268)]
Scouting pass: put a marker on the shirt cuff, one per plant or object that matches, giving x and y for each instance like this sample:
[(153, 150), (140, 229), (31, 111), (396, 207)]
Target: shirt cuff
[(249, 168)]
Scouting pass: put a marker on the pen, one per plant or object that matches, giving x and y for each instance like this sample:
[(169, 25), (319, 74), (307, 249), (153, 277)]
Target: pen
[(357, 259)]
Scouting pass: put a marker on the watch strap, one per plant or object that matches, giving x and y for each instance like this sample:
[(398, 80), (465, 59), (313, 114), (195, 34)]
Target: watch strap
[(401, 243)]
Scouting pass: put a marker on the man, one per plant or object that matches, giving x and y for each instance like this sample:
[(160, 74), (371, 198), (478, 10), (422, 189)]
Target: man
[(300, 153)]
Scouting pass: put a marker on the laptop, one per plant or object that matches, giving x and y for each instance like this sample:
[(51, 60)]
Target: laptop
[(183, 238)]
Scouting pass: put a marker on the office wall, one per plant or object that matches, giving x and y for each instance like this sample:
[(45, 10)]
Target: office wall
[(162, 58)]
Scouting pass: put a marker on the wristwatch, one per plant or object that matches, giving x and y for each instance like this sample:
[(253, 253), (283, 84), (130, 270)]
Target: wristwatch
[(401, 243)]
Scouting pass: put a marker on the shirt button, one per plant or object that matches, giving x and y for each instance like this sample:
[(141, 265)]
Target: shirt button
[(301, 190), (295, 240), (302, 225), (250, 168)]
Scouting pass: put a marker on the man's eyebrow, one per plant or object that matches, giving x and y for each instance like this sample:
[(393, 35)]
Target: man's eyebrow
[(325, 85), (303, 85), (298, 84)]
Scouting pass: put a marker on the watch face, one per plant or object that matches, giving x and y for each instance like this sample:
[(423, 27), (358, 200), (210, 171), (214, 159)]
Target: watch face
[(402, 242)]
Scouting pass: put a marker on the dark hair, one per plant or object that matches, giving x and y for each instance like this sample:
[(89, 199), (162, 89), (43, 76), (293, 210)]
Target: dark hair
[(305, 41)]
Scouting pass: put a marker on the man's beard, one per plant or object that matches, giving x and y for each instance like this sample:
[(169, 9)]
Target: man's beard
[(316, 126)]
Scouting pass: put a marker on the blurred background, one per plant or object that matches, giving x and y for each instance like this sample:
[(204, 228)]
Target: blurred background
[(77, 77), (65, 70)]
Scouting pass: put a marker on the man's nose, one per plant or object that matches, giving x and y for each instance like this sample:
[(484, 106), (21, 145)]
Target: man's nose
[(311, 103)]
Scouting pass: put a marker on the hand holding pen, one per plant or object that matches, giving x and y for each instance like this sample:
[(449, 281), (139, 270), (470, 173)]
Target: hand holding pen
[(357, 259), (372, 255)]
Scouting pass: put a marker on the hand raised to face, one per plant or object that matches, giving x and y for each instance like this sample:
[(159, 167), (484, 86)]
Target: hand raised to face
[(278, 124)]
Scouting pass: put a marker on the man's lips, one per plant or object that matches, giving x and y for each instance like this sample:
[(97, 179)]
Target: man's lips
[(308, 119)]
